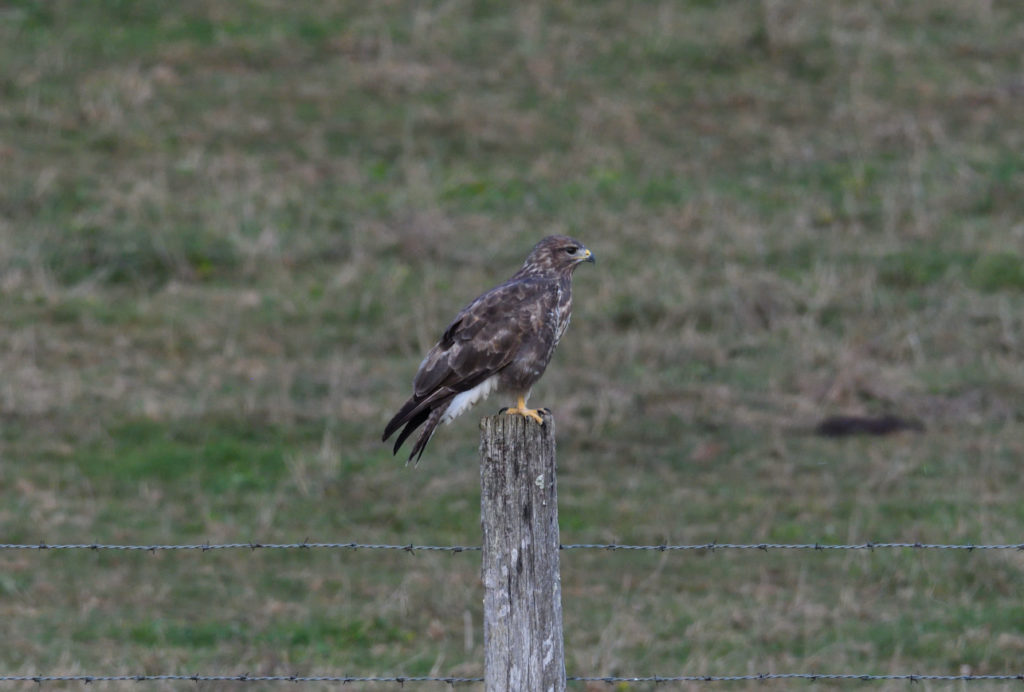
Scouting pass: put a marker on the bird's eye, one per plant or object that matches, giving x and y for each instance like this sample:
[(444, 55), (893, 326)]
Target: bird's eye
[(571, 250)]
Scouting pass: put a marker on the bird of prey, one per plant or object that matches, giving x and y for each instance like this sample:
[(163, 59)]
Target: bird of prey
[(501, 341)]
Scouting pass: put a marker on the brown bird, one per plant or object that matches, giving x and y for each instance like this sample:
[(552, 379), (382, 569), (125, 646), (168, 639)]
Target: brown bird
[(502, 341)]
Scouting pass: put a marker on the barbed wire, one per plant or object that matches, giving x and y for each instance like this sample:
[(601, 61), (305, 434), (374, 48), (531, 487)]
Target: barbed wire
[(252, 546), (412, 548), (344, 679), (348, 679), (798, 546), (798, 676)]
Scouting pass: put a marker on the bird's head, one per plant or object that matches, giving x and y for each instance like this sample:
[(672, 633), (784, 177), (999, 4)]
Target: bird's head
[(556, 254)]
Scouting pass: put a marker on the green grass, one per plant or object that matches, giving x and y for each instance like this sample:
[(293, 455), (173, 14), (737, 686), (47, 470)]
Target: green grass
[(228, 234)]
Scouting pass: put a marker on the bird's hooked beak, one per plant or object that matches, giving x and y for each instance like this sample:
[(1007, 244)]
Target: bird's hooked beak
[(588, 256)]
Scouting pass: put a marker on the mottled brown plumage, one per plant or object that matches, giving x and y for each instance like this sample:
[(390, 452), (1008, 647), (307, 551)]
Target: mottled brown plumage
[(501, 341)]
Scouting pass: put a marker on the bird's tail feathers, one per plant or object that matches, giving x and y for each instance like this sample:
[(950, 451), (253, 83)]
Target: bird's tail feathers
[(400, 418), (432, 421), (410, 427), (414, 413), (415, 409)]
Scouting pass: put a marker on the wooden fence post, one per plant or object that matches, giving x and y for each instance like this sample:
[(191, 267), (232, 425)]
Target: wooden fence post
[(523, 645)]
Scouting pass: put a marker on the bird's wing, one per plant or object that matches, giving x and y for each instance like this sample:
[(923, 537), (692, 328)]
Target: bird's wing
[(482, 339)]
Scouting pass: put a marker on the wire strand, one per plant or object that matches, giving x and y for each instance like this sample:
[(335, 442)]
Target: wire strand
[(412, 548), (610, 679), (346, 679), (206, 547)]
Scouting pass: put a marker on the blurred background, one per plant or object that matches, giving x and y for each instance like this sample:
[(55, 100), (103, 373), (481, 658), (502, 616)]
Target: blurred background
[(229, 232)]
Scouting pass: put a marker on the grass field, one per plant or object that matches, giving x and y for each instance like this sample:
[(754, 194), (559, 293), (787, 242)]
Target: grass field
[(229, 231)]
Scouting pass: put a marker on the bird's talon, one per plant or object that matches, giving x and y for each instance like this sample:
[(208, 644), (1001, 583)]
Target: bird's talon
[(526, 412)]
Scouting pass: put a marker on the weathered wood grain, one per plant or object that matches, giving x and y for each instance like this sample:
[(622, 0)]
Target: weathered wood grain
[(523, 644)]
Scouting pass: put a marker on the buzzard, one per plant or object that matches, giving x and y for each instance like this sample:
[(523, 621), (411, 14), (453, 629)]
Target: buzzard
[(501, 341)]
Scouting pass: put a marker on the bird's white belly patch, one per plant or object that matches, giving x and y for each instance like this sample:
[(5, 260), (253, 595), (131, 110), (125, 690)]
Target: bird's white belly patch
[(463, 401)]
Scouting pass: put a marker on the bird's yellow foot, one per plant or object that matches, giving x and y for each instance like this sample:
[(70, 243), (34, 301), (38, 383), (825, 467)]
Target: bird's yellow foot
[(520, 410)]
